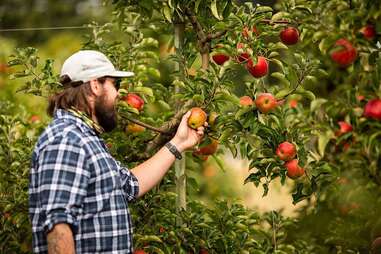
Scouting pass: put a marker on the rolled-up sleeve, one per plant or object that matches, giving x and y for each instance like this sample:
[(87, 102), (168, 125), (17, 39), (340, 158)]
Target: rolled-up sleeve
[(129, 182), (63, 180)]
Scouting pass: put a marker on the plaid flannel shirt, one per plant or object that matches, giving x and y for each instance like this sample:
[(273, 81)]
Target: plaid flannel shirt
[(75, 180)]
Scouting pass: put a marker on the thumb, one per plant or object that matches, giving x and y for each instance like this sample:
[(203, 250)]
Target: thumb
[(185, 117)]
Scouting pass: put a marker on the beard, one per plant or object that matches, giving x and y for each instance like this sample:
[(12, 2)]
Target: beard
[(106, 114)]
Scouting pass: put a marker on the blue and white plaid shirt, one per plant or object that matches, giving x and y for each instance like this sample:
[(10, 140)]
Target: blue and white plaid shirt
[(75, 180)]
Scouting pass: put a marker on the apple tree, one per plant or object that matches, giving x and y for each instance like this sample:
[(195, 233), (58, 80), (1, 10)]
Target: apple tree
[(256, 72)]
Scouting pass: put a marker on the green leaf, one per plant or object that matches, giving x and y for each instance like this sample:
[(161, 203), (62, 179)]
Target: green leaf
[(144, 90), (305, 93), (280, 15), (262, 9), (317, 103), (167, 13), (213, 7), (282, 93), (303, 8), (282, 78), (323, 140)]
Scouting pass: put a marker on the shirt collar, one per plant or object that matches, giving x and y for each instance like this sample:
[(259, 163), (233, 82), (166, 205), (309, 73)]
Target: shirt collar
[(80, 119)]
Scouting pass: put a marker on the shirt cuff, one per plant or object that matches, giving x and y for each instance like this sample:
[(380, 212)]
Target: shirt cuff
[(60, 216)]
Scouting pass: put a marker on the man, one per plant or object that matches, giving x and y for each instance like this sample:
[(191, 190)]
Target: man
[(78, 193)]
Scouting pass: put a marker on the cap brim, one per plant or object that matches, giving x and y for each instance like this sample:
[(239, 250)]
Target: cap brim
[(121, 74)]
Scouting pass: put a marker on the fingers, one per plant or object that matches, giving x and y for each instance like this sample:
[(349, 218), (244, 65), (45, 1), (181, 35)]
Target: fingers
[(206, 124), (200, 131)]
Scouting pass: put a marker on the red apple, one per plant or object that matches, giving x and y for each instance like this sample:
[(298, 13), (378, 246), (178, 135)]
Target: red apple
[(368, 31), (289, 36), (344, 128), (35, 119), (373, 109), (293, 169), (260, 69), (247, 34), (286, 151), (139, 251), (208, 149), (265, 102), (360, 97), (220, 58), (203, 251), (246, 101), (243, 56), (345, 55), (134, 101), (293, 103)]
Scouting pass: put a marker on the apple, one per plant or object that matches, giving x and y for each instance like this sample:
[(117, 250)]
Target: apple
[(134, 128), (286, 151), (376, 245), (246, 33), (203, 251), (344, 128), (212, 119), (373, 109), (345, 55), (260, 69), (109, 145), (369, 32), (3, 68), (139, 251), (289, 36), (200, 156), (35, 119), (265, 102), (360, 97), (197, 118), (209, 149), (293, 169), (243, 56), (134, 101), (246, 101), (293, 103), (220, 58)]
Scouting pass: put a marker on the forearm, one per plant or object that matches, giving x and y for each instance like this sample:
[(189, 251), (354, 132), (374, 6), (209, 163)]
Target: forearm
[(60, 240), (150, 172)]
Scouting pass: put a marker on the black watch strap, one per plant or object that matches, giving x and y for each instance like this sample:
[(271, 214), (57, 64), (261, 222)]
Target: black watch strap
[(173, 149)]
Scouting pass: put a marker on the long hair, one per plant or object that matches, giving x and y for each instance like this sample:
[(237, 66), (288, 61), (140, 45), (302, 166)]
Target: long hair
[(75, 94)]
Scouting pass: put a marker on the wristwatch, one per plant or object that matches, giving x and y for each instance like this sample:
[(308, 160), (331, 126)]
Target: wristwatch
[(173, 149)]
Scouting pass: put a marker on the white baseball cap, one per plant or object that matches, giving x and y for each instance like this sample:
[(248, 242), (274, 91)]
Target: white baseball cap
[(86, 65)]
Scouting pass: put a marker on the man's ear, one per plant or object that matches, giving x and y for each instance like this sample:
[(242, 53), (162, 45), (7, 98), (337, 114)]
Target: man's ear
[(96, 87)]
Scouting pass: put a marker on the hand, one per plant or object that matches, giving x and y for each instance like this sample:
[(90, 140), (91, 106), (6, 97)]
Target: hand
[(187, 137)]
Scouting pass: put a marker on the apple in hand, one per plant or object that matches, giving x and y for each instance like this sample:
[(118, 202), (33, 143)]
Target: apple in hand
[(265, 102), (197, 118)]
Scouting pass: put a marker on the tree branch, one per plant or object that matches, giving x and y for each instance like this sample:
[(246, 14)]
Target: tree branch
[(145, 124)]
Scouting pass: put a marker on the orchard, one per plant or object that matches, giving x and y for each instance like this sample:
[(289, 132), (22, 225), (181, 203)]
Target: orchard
[(293, 88)]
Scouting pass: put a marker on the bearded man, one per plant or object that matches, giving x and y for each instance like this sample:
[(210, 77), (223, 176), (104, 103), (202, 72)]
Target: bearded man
[(78, 193)]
